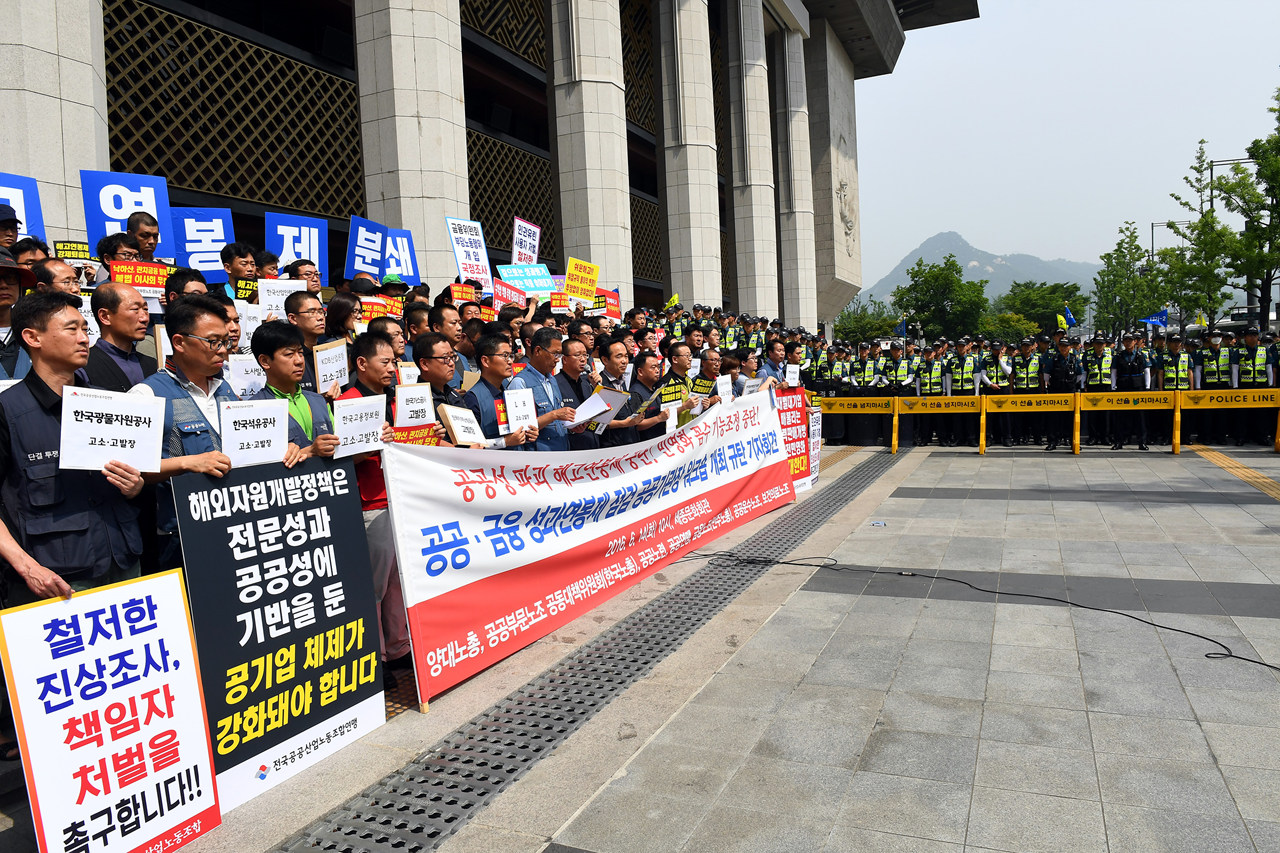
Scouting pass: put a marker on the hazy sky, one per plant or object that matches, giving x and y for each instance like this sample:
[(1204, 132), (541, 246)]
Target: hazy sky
[(1042, 126)]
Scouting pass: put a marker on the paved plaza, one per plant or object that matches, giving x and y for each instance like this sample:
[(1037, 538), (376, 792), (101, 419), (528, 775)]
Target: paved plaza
[(832, 709)]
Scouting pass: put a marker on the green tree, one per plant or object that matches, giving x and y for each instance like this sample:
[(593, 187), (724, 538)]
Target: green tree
[(1041, 302), (1007, 327), (940, 300), (1125, 289), (865, 321), (1195, 275), (1254, 253)]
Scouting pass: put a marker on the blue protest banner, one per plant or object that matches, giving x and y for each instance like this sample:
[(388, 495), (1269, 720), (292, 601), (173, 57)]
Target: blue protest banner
[(296, 238), (201, 232), (109, 198), (400, 259), (1160, 318), (366, 248), (533, 279), (22, 193)]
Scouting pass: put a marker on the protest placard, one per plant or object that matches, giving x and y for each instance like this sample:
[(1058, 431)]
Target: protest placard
[(246, 288), (147, 278), (74, 252), (522, 411), (580, 281), (407, 372), (110, 720), (469, 251), (357, 422), (101, 426), (201, 232), (793, 375), (414, 405), (423, 435), (462, 426), (524, 242), (296, 238), (530, 279), (278, 572), (23, 195), (245, 376), (795, 434), (607, 304), (460, 293), (250, 319), (255, 432), (272, 294), (505, 293), (331, 365), (110, 198)]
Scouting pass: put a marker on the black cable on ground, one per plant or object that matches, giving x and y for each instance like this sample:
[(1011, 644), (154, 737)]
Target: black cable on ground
[(832, 563)]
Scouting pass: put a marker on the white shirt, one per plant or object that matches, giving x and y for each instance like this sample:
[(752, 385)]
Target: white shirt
[(206, 402)]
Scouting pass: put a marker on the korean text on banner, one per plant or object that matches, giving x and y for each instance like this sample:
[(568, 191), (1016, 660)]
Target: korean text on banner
[(106, 696), (499, 549), (283, 607), (795, 431), (147, 278), (110, 198), (201, 233), (469, 251), (255, 432), (101, 426), (400, 258), (331, 365), (297, 238), (357, 422), (524, 242), (531, 279), (414, 405), (607, 304), (580, 280), (507, 294), (23, 195)]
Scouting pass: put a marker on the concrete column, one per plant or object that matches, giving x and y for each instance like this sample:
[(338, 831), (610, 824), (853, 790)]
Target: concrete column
[(689, 151), (834, 146), (55, 95), (797, 272), (591, 138), (751, 140), (409, 71)]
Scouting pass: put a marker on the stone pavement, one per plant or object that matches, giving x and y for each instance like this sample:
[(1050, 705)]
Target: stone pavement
[(836, 710)]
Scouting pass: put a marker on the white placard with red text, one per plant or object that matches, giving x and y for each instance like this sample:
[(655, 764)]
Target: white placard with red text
[(524, 242), (110, 717), (498, 549)]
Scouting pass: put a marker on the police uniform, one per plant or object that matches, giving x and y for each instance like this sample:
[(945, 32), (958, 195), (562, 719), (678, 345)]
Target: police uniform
[(1131, 370), (1062, 375), (1173, 372), (1213, 373), (1026, 380), (964, 383), (1097, 379), (996, 382)]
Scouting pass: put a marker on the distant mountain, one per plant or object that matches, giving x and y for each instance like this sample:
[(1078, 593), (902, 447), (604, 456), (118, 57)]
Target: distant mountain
[(1000, 271)]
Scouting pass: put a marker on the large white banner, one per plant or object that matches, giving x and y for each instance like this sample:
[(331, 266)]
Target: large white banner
[(498, 548)]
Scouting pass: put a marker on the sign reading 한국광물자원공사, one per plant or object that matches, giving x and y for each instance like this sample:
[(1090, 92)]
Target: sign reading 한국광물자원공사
[(284, 615), (106, 696)]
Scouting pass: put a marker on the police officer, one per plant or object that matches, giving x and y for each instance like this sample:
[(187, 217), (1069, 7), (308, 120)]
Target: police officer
[(995, 382), (1253, 367), (1097, 378), (965, 368), (1026, 380), (1062, 375), (933, 379), (1174, 372), (900, 382), (1132, 373), (1213, 373)]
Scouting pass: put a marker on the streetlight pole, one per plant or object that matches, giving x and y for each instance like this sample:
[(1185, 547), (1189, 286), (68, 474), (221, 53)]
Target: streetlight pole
[(1167, 224), (1213, 163)]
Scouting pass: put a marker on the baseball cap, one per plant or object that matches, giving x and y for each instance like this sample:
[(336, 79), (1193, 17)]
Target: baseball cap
[(26, 276), (7, 212)]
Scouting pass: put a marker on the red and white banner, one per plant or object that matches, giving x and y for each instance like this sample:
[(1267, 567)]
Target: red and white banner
[(499, 548), (795, 434)]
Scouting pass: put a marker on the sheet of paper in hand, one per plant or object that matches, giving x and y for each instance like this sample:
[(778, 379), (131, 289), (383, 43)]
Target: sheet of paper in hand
[(101, 426), (255, 432)]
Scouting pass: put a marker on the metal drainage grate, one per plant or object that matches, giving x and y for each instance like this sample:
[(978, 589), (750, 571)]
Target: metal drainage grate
[(419, 806)]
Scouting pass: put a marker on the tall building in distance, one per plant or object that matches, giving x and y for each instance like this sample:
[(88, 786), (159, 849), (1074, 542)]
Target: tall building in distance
[(700, 147)]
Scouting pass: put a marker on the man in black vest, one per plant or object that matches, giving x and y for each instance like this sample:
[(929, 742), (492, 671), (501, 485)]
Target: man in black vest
[(114, 363)]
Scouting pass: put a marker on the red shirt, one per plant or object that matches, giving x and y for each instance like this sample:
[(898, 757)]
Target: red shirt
[(373, 488)]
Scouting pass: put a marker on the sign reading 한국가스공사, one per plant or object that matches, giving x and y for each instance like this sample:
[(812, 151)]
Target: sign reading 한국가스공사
[(283, 607)]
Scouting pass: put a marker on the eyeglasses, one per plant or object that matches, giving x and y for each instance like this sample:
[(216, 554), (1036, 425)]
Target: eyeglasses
[(65, 281), (450, 357), (502, 355), (127, 256), (214, 343), (311, 311)]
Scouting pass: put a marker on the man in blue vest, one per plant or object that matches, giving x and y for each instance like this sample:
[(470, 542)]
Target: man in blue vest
[(63, 530), (553, 414), (486, 398)]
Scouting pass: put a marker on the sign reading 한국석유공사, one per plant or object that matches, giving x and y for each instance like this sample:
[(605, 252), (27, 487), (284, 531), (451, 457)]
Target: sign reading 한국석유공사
[(111, 197), (201, 233), (284, 615)]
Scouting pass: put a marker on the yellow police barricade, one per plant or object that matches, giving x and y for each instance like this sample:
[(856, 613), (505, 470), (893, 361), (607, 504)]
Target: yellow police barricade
[(1229, 398), (863, 406), (937, 406), (1022, 403), (1116, 401)]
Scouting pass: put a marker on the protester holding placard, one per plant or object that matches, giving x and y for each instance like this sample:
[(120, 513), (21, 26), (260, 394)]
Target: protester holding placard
[(240, 265), (645, 396), (14, 279), (622, 429), (192, 387), (445, 320), (114, 362), (375, 365), (115, 248), (303, 309), (280, 351), (575, 388), (677, 385), (486, 400), (435, 363), (553, 414)]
